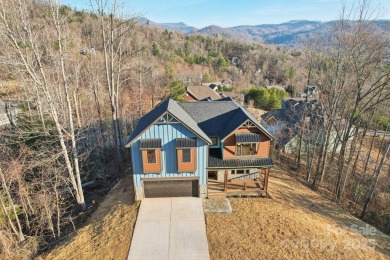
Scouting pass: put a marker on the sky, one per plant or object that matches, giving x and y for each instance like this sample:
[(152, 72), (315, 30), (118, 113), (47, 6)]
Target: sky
[(228, 13)]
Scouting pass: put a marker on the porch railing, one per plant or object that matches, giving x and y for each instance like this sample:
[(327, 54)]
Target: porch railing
[(246, 180), (248, 176)]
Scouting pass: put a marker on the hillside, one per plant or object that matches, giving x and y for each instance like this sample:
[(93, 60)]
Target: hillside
[(78, 96), (267, 228), (68, 107)]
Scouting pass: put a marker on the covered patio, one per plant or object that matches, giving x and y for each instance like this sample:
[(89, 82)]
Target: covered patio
[(230, 182)]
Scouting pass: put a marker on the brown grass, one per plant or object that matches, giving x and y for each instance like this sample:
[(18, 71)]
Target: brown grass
[(11, 89), (295, 223), (107, 235)]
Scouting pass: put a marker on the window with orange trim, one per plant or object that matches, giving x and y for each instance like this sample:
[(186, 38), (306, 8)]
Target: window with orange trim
[(186, 159), (151, 160)]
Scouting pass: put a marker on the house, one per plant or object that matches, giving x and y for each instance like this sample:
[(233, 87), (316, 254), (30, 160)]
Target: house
[(203, 149), (236, 97), (214, 87), (201, 92), (285, 123), (306, 116), (8, 113), (311, 91)]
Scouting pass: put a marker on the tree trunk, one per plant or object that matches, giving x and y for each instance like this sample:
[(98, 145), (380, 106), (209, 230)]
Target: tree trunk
[(374, 183)]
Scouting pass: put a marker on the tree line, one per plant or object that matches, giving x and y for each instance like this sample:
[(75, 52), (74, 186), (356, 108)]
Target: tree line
[(344, 154)]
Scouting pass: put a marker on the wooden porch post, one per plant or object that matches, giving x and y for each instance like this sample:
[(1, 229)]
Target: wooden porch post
[(266, 180), (225, 179)]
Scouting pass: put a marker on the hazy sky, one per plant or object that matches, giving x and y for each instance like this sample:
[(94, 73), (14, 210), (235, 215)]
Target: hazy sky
[(226, 13)]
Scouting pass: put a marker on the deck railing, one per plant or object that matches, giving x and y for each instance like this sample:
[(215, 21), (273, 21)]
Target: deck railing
[(246, 180), (248, 176)]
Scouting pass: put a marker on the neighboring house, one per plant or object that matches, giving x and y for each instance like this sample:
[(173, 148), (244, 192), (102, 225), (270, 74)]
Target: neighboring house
[(311, 92), (285, 124), (214, 87), (8, 112), (236, 97), (301, 115), (203, 149), (199, 93)]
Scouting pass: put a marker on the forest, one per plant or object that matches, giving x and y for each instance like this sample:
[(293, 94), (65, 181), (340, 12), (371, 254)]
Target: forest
[(81, 80)]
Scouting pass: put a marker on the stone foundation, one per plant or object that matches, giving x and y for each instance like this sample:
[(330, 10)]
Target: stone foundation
[(202, 191), (139, 193)]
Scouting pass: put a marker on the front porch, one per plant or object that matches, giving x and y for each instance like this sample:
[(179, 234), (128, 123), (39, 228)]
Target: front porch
[(228, 182)]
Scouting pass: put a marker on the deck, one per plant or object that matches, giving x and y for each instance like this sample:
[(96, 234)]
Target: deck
[(216, 189)]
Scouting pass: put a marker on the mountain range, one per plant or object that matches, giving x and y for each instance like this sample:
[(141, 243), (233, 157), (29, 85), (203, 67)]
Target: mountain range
[(288, 34)]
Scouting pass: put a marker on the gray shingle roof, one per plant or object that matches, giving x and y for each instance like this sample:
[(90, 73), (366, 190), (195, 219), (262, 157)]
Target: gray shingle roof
[(145, 121), (211, 116), (220, 118), (171, 106), (180, 114), (204, 118), (202, 92)]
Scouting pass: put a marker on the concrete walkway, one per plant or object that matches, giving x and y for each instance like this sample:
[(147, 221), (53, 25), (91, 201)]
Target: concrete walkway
[(170, 228)]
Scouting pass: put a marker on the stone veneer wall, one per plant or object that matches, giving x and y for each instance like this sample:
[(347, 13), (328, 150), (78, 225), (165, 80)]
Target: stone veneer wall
[(203, 191), (139, 193)]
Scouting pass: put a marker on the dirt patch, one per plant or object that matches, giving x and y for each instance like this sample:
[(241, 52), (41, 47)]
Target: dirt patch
[(295, 223), (107, 234)]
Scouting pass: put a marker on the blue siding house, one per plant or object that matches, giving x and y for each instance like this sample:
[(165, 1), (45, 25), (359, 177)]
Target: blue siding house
[(167, 123), (176, 146)]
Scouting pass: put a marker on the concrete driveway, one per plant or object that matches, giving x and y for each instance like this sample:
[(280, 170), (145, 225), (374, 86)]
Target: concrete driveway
[(170, 228)]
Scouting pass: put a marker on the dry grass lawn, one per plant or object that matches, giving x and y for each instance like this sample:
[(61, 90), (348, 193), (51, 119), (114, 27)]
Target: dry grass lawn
[(295, 223), (107, 235)]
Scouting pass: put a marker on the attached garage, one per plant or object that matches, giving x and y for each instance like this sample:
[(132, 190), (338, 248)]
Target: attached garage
[(171, 187)]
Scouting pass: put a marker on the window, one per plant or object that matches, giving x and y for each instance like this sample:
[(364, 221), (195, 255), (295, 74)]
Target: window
[(186, 155), (214, 140), (246, 149), (151, 155)]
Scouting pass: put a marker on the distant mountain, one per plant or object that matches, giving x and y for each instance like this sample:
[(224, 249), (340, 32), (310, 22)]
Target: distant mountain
[(177, 27), (289, 34), (265, 33)]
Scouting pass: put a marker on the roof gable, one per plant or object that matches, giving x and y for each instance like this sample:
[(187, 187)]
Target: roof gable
[(167, 106), (204, 118), (221, 117)]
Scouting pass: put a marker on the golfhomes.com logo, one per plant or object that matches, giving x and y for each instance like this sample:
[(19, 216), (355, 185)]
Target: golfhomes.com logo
[(328, 242)]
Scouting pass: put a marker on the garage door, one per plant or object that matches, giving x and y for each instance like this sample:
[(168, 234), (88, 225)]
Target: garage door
[(171, 188)]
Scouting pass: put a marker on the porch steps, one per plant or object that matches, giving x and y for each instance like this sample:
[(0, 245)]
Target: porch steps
[(216, 195)]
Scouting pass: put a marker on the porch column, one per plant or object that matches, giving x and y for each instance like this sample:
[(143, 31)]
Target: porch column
[(225, 179), (266, 179)]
